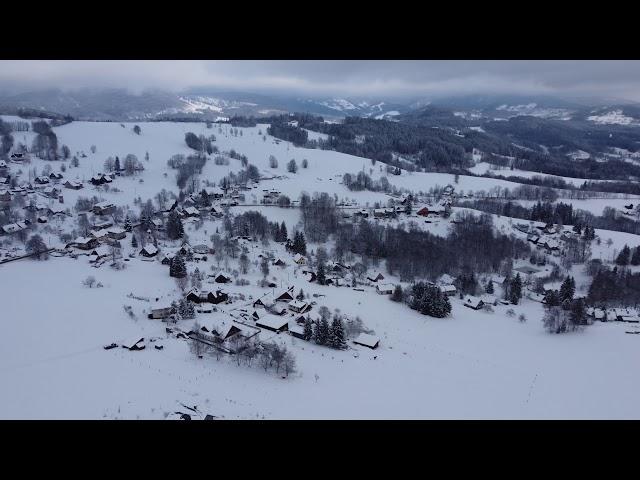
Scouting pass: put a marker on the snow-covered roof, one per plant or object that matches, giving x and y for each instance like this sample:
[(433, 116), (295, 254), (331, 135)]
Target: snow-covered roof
[(487, 298), (385, 287), (499, 279), (299, 304), (446, 279), (116, 230), (295, 328), (83, 240), (472, 301), (101, 251), (99, 233), (105, 204), (150, 249), (447, 288), (272, 321), (367, 340), (297, 257), (192, 211)]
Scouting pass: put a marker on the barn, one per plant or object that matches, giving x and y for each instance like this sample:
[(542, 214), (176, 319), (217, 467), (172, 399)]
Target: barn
[(423, 212), (375, 277), (160, 313), (285, 297)]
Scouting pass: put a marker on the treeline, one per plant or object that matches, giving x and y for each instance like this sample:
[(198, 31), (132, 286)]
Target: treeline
[(319, 216), (295, 135), (563, 213), (187, 167), (45, 145), (617, 286), (472, 245)]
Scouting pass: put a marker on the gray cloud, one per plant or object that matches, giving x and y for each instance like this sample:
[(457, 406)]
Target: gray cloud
[(619, 79)]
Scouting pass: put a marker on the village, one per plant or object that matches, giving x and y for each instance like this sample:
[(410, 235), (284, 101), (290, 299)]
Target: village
[(221, 287)]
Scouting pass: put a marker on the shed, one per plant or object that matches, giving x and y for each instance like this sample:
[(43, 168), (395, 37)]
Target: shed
[(367, 340), (385, 288)]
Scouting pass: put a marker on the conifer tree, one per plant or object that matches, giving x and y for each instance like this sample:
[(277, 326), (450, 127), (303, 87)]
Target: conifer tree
[(177, 268), (175, 230), (134, 242), (567, 289), (489, 288), (320, 276), (127, 224), (635, 258), (515, 290), (337, 334), (308, 329), (623, 256)]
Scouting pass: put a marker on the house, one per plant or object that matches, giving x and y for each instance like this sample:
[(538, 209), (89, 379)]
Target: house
[(598, 314), (222, 278), (424, 212), (160, 313), (488, 299), (216, 212), (102, 224), (85, 243), (380, 213), (205, 296), (73, 185), (446, 279), (51, 192), (299, 306), (117, 233), (362, 213), (103, 208), (5, 196), (18, 157), (475, 303), (385, 288), (536, 297), (498, 279), (97, 253), (55, 176), (299, 259), (279, 263), (14, 228), (273, 323), (100, 179), (149, 250), (376, 276), (258, 303), (41, 180), (611, 316), (285, 297), (200, 249), (191, 212), (367, 340), (449, 289), (99, 235)]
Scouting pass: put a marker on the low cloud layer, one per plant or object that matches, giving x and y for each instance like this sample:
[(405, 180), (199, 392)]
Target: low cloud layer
[(617, 79)]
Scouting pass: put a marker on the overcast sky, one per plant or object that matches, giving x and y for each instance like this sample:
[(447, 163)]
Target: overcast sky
[(618, 79)]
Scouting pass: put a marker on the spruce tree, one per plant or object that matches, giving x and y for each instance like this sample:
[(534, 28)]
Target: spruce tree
[(324, 331), (567, 289), (134, 242), (515, 292), (635, 258), (177, 268), (175, 230), (623, 256), (283, 232), (320, 276), (489, 288), (308, 329), (337, 334), (117, 164)]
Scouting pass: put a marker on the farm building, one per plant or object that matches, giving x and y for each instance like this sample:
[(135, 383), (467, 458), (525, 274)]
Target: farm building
[(384, 289), (423, 212), (296, 331), (273, 323), (488, 299), (204, 296), (475, 303), (367, 340), (41, 180), (299, 259)]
